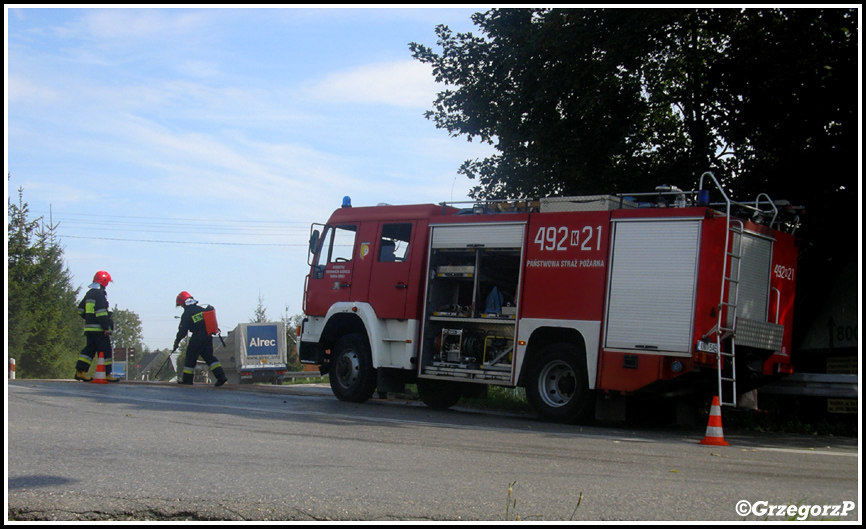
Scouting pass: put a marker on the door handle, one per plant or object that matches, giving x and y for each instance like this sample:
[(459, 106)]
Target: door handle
[(401, 286)]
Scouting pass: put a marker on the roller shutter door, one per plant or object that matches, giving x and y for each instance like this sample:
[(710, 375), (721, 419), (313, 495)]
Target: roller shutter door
[(478, 235), (754, 277), (651, 296)]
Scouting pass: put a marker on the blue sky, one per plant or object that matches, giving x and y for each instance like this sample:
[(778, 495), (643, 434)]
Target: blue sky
[(191, 149)]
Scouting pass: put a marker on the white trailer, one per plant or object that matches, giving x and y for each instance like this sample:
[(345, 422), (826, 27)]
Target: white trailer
[(254, 352)]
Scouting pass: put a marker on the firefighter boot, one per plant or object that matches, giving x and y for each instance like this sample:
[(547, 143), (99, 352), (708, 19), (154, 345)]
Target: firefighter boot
[(186, 379), (221, 377), (110, 378), (82, 376)]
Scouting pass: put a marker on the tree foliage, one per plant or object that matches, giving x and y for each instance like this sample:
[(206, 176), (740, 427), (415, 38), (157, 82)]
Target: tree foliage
[(127, 329), (127, 334), (45, 332), (583, 101), (260, 315)]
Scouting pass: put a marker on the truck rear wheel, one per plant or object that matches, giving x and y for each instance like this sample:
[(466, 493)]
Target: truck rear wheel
[(351, 374), (439, 394), (558, 387)]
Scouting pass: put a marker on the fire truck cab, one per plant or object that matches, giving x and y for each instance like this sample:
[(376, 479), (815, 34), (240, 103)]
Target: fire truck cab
[(580, 300)]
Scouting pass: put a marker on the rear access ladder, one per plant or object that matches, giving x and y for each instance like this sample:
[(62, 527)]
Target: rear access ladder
[(726, 327), (727, 323)]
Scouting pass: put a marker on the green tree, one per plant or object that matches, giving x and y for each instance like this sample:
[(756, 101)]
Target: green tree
[(127, 335), (45, 332), (559, 93), (260, 314), (584, 101), (127, 329), (792, 76)]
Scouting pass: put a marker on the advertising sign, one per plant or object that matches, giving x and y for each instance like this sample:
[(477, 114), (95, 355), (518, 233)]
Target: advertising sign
[(262, 340)]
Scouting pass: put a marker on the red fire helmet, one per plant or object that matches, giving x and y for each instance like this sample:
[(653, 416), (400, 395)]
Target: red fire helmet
[(102, 277), (181, 298)]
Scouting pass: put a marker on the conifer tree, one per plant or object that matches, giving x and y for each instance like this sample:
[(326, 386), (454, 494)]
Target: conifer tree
[(45, 331)]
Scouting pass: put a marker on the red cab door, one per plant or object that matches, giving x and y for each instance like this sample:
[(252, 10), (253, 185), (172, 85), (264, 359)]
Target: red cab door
[(331, 275), (393, 256)]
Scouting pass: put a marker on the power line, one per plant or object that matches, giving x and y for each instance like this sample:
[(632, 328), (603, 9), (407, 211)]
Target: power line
[(101, 223), (177, 242), (178, 228), (188, 219)]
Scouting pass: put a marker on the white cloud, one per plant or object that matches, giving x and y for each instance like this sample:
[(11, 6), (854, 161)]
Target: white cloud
[(21, 89), (135, 24), (200, 68), (404, 83)]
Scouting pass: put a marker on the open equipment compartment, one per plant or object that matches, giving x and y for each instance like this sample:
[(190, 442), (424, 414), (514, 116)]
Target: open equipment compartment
[(470, 310)]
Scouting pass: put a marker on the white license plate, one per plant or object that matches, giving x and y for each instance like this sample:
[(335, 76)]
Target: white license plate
[(708, 347)]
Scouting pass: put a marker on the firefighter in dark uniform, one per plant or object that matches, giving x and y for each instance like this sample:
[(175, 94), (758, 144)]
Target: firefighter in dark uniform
[(97, 328), (200, 344)]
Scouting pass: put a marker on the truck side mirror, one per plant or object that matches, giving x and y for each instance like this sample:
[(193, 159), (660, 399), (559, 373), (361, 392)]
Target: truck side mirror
[(314, 241)]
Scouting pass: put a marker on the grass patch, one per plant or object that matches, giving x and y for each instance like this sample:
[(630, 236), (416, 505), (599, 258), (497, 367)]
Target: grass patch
[(500, 399), (792, 415), (512, 514), (311, 380)]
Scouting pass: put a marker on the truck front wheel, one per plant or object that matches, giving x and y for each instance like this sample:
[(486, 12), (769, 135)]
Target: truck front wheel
[(352, 376), (558, 388)]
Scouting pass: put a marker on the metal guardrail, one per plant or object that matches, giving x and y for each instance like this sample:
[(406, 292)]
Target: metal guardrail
[(815, 385)]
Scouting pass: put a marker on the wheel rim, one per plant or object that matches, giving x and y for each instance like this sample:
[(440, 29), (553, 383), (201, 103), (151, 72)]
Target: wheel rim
[(556, 384), (348, 369)]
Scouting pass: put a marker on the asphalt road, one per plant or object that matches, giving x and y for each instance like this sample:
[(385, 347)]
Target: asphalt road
[(133, 451)]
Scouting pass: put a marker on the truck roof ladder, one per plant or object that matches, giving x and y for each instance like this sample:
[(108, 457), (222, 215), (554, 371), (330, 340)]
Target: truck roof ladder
[(486, 206)]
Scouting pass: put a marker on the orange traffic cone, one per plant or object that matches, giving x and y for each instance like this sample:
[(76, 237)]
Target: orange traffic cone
[(99, 376), (714, 434)]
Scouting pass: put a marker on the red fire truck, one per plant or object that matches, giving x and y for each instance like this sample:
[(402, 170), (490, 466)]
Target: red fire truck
[(582, 301)]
